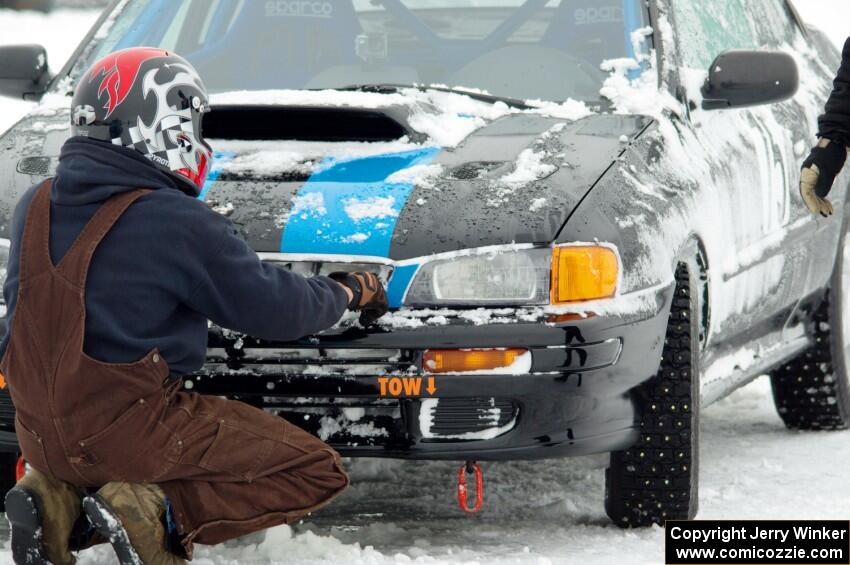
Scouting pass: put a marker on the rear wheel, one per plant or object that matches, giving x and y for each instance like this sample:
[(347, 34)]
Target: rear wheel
[(657, 479), (812, 391)]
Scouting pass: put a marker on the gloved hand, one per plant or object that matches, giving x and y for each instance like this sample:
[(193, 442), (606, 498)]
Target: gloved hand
[(819, 171), (370, 298)]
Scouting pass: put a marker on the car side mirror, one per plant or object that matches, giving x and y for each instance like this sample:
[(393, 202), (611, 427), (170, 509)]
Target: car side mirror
[(739, 78), (23, 71)]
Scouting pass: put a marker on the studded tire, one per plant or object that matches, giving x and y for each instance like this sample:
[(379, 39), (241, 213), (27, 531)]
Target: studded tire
[(812, 391), (657, 479)]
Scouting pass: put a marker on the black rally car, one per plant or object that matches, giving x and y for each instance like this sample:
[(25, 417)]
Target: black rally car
[(589, 227)]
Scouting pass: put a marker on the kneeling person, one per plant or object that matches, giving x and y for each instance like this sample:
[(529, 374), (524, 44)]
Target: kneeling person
[(115, 269)]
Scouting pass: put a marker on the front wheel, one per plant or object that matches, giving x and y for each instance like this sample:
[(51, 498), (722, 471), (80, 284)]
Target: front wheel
[(812, 391), (657, 479)]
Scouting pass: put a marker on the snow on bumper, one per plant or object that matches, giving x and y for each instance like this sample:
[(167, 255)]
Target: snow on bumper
[(569, 395), (364, 392)]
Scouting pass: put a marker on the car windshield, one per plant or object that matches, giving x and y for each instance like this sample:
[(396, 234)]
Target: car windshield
[(520, 49)]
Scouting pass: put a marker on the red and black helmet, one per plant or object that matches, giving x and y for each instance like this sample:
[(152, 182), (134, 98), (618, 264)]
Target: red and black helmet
[(151, 101)]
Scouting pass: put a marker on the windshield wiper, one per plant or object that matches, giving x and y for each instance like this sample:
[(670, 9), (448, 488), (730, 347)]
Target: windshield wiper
[(389, 88)]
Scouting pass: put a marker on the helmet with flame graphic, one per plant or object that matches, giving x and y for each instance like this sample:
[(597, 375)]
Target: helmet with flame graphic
[(151, 101)]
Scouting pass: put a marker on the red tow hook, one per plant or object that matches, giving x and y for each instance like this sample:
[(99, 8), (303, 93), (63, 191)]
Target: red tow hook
[(20, 468), (463, 493)]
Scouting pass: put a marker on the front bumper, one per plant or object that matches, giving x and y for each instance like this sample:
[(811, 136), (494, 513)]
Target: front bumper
[(575, 399)]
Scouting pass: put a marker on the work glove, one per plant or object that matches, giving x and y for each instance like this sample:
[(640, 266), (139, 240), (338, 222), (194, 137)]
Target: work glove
[(819, 171), (370, 298)]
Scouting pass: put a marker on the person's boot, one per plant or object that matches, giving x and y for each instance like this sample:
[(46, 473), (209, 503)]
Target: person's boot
[(132, 517), (42, 512)]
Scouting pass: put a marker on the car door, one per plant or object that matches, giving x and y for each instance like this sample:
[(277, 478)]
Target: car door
[(814, 236), (756, 269)]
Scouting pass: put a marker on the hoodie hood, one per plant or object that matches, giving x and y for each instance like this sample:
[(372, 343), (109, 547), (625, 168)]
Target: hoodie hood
[(91, 171)]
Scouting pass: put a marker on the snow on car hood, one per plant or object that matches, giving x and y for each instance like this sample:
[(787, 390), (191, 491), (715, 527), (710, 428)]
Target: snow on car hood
[(491, 176), (467, 173)]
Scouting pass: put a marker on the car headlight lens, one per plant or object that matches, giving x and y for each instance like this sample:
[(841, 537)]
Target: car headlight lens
[(512, 277), (501, 277)]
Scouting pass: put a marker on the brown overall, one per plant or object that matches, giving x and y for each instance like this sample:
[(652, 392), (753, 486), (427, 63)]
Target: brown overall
[(228, 469)]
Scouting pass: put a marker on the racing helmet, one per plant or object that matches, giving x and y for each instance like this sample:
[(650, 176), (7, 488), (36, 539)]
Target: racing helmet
[(151, 101)]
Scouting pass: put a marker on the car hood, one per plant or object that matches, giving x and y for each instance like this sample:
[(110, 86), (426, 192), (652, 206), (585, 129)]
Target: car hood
[(374, 184)]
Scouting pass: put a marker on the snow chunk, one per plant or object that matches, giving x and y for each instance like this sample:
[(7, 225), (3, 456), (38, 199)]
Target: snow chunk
[(537, 204), (329, 426), (722, 367), (310, 204), (418, 175), (225, 209), (529, 168), (354, 414), (572, 110), (43, 127), (358, 237), (376, 207)]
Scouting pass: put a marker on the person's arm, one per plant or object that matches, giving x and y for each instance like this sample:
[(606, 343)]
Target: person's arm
[(827, 158), (238, 291), (834, 124)]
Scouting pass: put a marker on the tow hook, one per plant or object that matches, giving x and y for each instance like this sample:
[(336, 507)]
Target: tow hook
[(469, 468)]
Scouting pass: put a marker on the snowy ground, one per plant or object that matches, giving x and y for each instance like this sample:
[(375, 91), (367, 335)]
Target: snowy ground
[(551, 511), (59, 32), (537, 512)]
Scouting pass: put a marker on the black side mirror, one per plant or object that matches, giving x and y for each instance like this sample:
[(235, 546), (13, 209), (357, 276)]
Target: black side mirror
[(23, 71), (741, 78)]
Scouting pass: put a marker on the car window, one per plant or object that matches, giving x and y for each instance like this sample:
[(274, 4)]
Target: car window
[(774, 24), (705, 28), (525, 49)]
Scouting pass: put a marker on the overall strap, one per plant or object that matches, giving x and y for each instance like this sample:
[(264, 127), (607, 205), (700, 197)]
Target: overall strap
[(35, 242), (74, 266)]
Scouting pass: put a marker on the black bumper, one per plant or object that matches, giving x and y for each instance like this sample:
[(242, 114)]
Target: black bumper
[(574, 400)]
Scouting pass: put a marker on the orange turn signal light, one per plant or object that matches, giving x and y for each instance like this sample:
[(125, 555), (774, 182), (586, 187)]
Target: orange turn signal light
[(583, 273), (463, 360)]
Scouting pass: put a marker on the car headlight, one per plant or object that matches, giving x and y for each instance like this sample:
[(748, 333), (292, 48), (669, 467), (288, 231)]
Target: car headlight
[(513, 277)]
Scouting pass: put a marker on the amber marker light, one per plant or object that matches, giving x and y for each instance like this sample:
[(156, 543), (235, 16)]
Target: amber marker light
[(465, 360), (583, 273)]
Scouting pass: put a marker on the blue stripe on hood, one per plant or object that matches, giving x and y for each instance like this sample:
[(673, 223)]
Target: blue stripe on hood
[(349, 207)]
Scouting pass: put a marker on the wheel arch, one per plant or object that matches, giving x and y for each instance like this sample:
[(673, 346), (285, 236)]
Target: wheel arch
[(692, 253)]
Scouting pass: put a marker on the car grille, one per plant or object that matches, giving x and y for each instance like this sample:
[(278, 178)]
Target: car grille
[(7, 411), (247, 356), (345, 422), (466, 418), (309, 268), (362, 422)]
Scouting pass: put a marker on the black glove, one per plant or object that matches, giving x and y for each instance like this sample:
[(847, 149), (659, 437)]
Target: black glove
[(370, 298), (818, 175)]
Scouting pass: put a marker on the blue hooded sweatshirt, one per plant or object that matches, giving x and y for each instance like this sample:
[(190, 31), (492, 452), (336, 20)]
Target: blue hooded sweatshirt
[(168, 265)]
